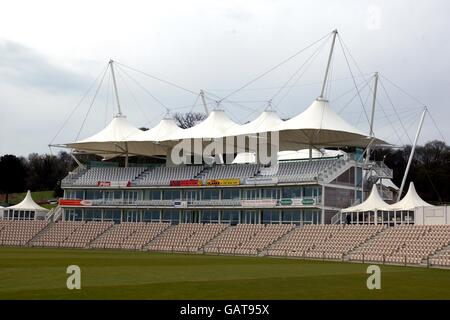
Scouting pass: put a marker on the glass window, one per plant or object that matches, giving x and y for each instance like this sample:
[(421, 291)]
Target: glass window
[(271, 193), (339, 198), (230, 193), (230, 216), (291, 216), (94, 194), (270, 216), (169, 194), (210, 194), (292, 192), (112, 215), (209, 216), (152, 194), (151, 215), (191, 195), (172, 216), (251, 194)]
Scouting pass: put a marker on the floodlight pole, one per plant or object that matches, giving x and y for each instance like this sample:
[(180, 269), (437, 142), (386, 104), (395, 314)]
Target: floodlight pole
[(411, 155), (374, 100), (111, 64), (202, 94), (335, 32)]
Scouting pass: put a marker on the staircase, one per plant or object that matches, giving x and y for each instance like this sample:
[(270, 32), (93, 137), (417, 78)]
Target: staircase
[(73, 176), (362, 245), (334, 170), (57, 214), (214, 240), (264, 251), (40, 233)]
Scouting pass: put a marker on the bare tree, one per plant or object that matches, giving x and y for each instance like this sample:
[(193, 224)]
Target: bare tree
[(189, 119)]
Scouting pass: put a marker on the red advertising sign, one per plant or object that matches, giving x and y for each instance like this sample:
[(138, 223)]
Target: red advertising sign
[(104, 184), (185, 183), (75, 202), (69, 202)]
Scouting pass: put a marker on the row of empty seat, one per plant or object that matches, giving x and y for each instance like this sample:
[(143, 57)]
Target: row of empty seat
[(367, 243), (71, 234), (140, 176), (233, 171), (129, 235), (163, 175), (301, 170), (247, 239), (110, 174), (188, 237), (19, 233), (441, 258), (404, 244)]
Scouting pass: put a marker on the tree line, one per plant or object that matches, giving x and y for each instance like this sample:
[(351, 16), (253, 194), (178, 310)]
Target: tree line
[(430, 170)]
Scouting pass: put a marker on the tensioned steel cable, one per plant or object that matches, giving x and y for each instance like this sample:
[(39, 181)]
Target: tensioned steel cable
[(275, 67), (92, 103), (157, 78), (78, 104)]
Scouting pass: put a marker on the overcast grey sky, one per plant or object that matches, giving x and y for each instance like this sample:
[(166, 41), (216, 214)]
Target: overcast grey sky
[(51, 52)]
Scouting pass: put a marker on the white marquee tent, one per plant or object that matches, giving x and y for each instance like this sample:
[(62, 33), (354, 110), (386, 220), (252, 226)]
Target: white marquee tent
[(373, 203), (410, 201), (26, 209)]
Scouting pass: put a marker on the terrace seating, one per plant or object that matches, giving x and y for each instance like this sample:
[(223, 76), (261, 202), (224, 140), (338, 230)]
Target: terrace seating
[(233, 171), (55, 235), (186, 237), (86, 233), (302, 240), (19, 233), (143, 234), (163, 175), (404, 244), (228, 242), (265, 237), (442, 258), (301, 170), (345, 239), (110, 174), (129, 235)]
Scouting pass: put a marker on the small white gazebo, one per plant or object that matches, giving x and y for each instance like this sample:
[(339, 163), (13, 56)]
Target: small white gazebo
[(410, 201), (27, 209), (369, 211)]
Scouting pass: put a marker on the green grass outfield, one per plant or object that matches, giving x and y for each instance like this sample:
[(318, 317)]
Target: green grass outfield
[(31, 273)]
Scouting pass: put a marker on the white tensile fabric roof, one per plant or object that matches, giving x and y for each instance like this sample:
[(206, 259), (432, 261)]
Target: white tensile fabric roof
[(250, 157), (410, 201), (155, 140), (320, 126), (304, 154), (216, 125), (163, 130), (111, 140), (27, 204), (267, 121), (245, 157), (373, 203)]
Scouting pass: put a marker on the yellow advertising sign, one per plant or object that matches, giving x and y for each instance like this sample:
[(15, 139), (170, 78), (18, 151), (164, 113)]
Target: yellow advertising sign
[(223, 182)]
